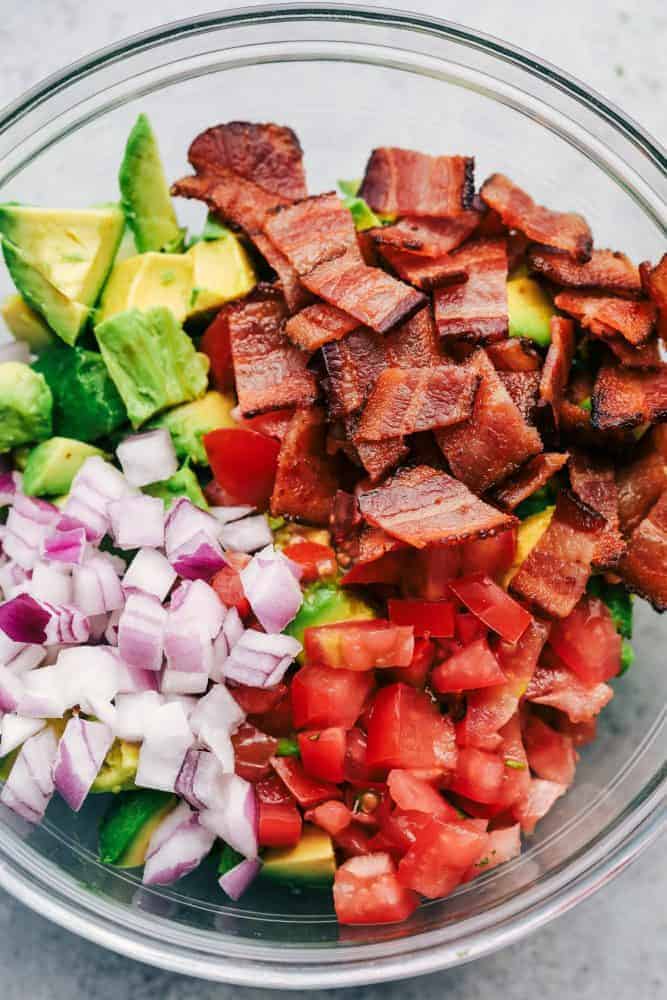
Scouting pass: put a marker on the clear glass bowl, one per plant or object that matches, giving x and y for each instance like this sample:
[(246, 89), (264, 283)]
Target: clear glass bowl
[(348, 79)]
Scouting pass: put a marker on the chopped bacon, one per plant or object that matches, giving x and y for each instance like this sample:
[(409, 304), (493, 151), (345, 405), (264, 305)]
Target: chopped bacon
[(606, 270), (553, 684), (523, 388), (422, 506), (640, 485), (313, 231), (644, 568), (367, 293), (476, 308), (427, 237), (378, 558), (270, 372), (405, 401), (564, 231), (592, 479), (404, 182), (649, 355), (346, 520), (305, 482), (496, 440), (296, 296), (318, 325), (654, 281), (235, 199), (267, 154), (377, 457), (425, 273), (557, 364), (627, 397), (554, 574), (515, 355), (606, 314), (530, 477)]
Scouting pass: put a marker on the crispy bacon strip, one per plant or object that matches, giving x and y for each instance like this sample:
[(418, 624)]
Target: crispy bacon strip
[(557, 364), (477, 308), (606, 270), (531, 477), (654, 281), (627, 397), (352, 367), (313, 231), (592, 479), (235, 199), (296, 296), (379, 558), (644, 568), (422, 506), (650, 355), (604, 315), (270, 372), (496, 440), (564, 231), (640, 484), (554, 575), (377, 457), (523, 388), (306, 481), (318, 325), (514, 355), (373, 297), (405, 401), (425, 273), (404, 182), (427, 237)]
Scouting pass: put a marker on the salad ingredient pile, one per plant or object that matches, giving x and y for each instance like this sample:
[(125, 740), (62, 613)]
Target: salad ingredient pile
[(320, 529)]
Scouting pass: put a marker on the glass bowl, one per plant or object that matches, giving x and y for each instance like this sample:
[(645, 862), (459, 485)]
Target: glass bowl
[(348, 79)]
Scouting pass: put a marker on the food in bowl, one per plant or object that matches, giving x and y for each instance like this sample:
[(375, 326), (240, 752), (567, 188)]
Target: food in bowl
[(321, 527)]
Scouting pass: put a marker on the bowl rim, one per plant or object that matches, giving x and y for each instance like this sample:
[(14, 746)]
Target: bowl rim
[(611, 851)]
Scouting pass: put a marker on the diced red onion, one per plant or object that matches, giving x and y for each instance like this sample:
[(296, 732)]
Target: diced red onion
[(90, 676), (98, 625), (220, 654), (96, 585), (236, 819), (86, 513), (18, 656), (225, 515), (24, 619), (148, 457), (167, 739), (189, 652), (134, 680), (111, 631), (10, 485), (272, 590), (65, 545), (95, 485), (235, 882), (202, 780), (188, 702), (137, 521), (29, 787), (196, 600), (48, 583), (13, 579), (11, 690), (179, 853), (81, 752), (133, 712), (248, 535), (29, 522), (16, 730), (141, 632), (214, 719), (184, 520), (232, 627), (42, 695), (199, 558), (15, 350), (151, 573), (257, 658)]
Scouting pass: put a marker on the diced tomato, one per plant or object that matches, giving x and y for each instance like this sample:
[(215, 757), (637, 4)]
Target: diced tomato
[(367, 891), (474, 666), (357, 771), (280, 824), (388, 568), (244, 463), (581, 733), (353, 841), (422, 660), (317, 561), (492, 605), (430, 570), (256, 701), (334, 817), (479, 810), (406, 730), (323, 753), (428, 618), (227, 585), (322, 697), (252, 752), (557, 686), (502, 845), (273, 424), (273, 791), (216, 344), (537, 803), (412, 793), (551, 754), (435, 863), (479, 775), (277, 721), (359, 645), (516, 776), (467, 628), (306, 790), (492, 556), (400, 828), (587, 641)]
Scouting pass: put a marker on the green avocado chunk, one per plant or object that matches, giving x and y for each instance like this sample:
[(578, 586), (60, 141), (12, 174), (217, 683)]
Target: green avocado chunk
[(530, 310), (152, 361), (188, 423), (311, 862), (52, 466), (119, 769), (86, 403), (145, 194), (183, 483), (128, 825), (26, 405), (25, 324), (326, 603)]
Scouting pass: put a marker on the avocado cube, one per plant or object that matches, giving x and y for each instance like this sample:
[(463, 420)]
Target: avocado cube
[(530, 310), (148, 280), (52, 466), (187, 424), (311, 862), (326, 603), (126, 829), (25, 324), (222, 271), (26, 405), (183, 483)]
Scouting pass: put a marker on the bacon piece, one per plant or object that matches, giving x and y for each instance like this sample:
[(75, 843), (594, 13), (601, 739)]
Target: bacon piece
[(564, 231), (592, 479), (654, 281), (427, 237), (644, 568), (233, 198), (313, 231), (425, 273), (650, 355), (606, 270), (627, 397), (477, 308), (422, 506), (296, 296), (352, 366), (377, 558), (405, 401), (306, 481), (606, 314), (270, 372), (531, 477), (523, 388), (514, 355), (640, 485), (496, 440), (367, 293), (553, 684), (404, 182), (318, 325), (554, 574), (267, 154), (557, 364), (377, 457)]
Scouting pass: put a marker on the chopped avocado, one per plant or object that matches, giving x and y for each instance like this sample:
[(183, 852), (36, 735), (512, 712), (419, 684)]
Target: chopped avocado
[(20, 456), (326, 603), (25, 324), (183, 483), (129, 824), (145, 194), (148, 280), (86, 403), (188, 423), (287, 747), (65, 317), (310, 863), (617, 599), (539, 500), (627, 657), (26, 405), (528, 535), (221, 271), (530, 310), (363, 215), (152, 361), (119, 769), (52, 466), (7, 763), (229, 858)]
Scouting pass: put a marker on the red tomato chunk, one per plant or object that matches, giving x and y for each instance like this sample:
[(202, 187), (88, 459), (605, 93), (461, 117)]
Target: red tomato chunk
[(406, 730), (316, 560), (307, 791), (323, 753), (587, 641), (322, 697), (359, 645), (244, 463), (280, 824), (474, 666), (428, 618), (479, 775), (492, 605), (367, 891), (442, 851)]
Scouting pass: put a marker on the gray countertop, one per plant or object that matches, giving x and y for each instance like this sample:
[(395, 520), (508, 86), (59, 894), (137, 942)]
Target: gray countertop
[(612, 945)]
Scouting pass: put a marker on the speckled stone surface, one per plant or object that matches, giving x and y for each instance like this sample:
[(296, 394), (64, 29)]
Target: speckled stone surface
[(613, 944)]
